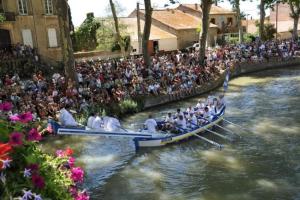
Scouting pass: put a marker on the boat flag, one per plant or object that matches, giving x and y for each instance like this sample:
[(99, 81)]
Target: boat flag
[(225, 84)]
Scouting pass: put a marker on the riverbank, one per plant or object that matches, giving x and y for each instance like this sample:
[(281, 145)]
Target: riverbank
[(237, 70)]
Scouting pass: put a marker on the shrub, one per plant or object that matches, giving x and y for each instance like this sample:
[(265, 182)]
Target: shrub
[(28, 173), (128, 107)]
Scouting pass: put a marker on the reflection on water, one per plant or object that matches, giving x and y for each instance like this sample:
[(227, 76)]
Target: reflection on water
[(263, 164)]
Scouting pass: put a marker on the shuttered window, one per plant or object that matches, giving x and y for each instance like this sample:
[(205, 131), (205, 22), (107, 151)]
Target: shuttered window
[(52, 37), (23, 9), (27, 37), (48, 7)]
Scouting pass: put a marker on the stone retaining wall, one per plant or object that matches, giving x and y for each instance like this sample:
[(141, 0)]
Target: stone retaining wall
[(239, 69)]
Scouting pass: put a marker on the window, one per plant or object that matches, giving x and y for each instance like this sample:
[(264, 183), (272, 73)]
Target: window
[(213, 20), (23, 10), (229, 21), (1, 7), (27, 37), (52, 37), (48, 7)]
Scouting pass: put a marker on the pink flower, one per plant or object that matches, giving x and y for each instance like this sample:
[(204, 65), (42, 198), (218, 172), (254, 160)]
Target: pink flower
[(49, 128), (73, 191), (71, 162), (34, 135), (15, 139), (25, 117), (77, 174), (6, 106), (82, 196), (38, 181), (60, 153)]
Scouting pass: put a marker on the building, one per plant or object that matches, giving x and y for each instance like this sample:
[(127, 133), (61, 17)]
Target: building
[(37, 23), (180, 26), (284, 21)]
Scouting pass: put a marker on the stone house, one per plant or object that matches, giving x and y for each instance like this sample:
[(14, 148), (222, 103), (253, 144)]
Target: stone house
[(36, 23), (181, 24)]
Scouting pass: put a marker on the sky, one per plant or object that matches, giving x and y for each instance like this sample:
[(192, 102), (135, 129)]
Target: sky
[(79, 8)]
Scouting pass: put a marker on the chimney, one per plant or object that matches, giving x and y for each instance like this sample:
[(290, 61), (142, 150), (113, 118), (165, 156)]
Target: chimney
[(90, 15)]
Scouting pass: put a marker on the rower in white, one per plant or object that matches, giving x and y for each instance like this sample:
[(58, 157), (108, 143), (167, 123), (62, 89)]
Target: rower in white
[(91, 120), (181, 122), (66, 118), (193, 120), (113, 124), (151, 124), (97, 123)]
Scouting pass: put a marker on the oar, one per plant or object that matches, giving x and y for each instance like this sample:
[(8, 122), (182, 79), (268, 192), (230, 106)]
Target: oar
[(246, 129), (221, 126), (215, 133), (225, 129), (203, 138), (209, 141)]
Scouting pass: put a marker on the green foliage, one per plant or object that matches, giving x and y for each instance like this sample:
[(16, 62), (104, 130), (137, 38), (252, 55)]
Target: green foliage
[(106, 36), (128, 106), (269, 31), (2, 18), (233, 40), (248, 38), (86, 35)]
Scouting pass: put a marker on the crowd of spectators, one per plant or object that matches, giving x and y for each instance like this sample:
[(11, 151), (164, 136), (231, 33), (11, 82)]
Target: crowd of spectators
[(107, 81), (17, 51)]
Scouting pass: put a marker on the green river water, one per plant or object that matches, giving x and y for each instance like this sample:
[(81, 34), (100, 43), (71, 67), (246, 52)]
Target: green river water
[(264, 164)]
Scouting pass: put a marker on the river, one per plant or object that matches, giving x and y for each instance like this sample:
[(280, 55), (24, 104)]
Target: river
[(264, 164)]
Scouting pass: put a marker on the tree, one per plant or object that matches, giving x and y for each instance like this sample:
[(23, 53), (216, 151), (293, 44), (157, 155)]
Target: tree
[(66, 42), (147, 30), (236, 6), (295, 14), (205, 6), (85, 35), (264, 4), (269, 31), (116, 22)]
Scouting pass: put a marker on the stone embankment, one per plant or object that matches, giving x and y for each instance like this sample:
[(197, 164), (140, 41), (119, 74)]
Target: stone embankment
[(237, 70)]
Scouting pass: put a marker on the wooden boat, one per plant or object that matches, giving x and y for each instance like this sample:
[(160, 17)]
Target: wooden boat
[(185, 134)]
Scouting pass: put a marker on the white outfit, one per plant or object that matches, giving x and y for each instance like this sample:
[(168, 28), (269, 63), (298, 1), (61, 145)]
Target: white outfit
[(97, 123), (113, 124), (169, 119), (194, 121), (66, 118), (181, 123), (151, 125), (90, 121)]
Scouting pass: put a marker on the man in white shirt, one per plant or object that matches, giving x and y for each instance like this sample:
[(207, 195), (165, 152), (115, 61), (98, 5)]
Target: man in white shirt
[(113, 124), (91, 120), (193, 120), (66, 118), (181, 122), (151, 124), (97, 123)]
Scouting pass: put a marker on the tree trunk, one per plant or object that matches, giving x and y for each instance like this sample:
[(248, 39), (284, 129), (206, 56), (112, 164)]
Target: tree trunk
[(295, 28), (116, 22), (205, 5), (147, 30), (295, 13), (239, 22), (65, 38), (262, 19)]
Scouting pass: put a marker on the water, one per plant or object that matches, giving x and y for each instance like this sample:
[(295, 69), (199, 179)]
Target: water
[(264, 164)]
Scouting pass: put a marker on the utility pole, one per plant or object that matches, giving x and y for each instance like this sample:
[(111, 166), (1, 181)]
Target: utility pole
[(139, 27), (276, 20)]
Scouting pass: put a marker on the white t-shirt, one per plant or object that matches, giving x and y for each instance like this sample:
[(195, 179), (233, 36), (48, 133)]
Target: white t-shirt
[(181, 123), (66, 119), (90, 121), (113, 124), (151, 125), (97, 123)]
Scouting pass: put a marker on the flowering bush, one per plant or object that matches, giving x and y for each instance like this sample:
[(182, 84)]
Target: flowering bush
[(26, 172)]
